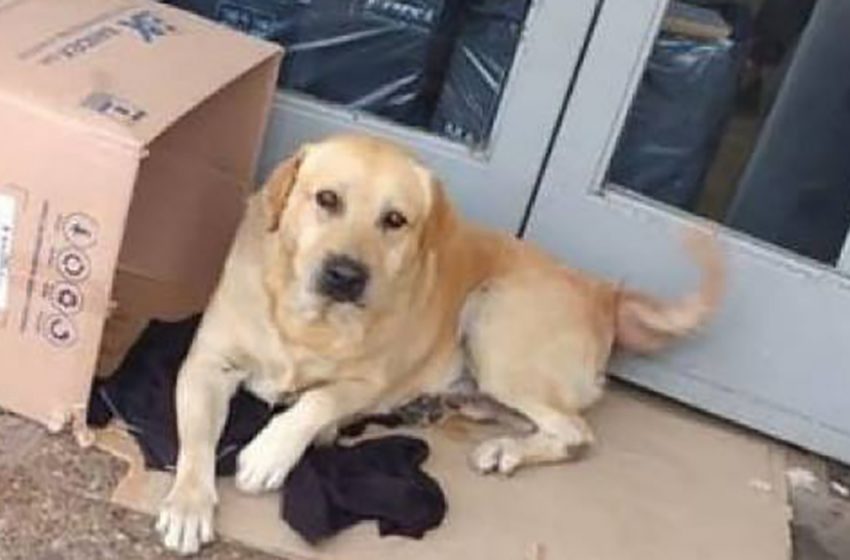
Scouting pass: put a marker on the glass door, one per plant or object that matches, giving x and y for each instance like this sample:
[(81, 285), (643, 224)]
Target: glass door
[(474, 86), (735, 113)]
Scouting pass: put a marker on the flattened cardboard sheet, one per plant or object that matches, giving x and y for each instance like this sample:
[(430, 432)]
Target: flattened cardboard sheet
[(663, 483)]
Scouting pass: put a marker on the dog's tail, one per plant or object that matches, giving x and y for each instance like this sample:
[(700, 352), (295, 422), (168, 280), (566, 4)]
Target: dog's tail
[(645, 324)]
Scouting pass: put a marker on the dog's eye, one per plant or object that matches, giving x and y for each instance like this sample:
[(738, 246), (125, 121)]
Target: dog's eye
[(393, 220), (329, 200)]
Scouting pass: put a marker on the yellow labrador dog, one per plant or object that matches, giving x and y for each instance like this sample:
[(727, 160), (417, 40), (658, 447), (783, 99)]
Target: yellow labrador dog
[(353, 285)]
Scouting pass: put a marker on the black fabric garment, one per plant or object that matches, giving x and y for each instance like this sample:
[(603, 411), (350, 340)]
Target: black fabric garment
[(141, 394), (330, 489), (333, 488)]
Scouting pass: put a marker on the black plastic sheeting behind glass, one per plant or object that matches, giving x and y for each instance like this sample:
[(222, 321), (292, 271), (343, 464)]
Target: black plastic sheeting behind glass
[(677, 118), (386, 57), (685, 98), (434, 64), (478, 69)]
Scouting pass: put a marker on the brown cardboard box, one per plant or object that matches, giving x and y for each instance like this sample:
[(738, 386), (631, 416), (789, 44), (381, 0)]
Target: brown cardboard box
[(129, 132)]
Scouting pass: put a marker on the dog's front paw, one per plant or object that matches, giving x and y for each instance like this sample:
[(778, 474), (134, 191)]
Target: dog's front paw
[(264, 464), (501, 455), (185, 520)]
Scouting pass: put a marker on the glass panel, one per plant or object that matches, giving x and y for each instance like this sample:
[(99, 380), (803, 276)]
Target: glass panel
[(743, 116), (439, 65)]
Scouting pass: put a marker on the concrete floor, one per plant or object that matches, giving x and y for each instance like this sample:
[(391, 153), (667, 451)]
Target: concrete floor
[(54, 505), (821, 524)]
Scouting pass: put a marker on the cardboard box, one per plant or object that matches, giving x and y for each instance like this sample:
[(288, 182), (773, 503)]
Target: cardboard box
[(129, 133)]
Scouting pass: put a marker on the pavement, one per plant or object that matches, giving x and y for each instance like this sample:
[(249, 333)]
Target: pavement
[(54, 503)]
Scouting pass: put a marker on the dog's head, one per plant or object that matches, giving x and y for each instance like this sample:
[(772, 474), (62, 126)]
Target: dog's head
[(354, 219)]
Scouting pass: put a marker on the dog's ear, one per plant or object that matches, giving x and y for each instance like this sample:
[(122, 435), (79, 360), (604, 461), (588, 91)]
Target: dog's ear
[(440, 218), (278, 186)]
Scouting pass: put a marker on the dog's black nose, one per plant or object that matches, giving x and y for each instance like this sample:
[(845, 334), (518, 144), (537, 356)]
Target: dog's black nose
[(343, 279)]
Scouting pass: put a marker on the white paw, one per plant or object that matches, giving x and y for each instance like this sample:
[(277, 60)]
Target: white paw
[(185, 520), (264, 464), (502, 455)]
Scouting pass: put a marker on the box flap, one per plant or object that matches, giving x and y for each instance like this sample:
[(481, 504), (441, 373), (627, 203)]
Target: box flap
[(95, 61), (136, 300)]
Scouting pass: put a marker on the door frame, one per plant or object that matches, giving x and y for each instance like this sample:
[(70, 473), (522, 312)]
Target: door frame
[(777, 356), (492, 185)]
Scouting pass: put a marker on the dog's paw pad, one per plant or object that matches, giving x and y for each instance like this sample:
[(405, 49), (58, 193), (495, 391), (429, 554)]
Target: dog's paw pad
[(502, 455)]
